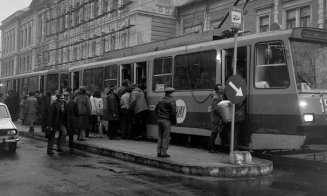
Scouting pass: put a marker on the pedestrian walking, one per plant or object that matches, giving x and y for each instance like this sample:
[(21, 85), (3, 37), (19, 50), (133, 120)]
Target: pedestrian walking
[(30, 111), (84, 110), (215, 118), (126, 114), (140, 107), (58, 122), (166, 110), (72, 115), (96, 108), (113, 112)]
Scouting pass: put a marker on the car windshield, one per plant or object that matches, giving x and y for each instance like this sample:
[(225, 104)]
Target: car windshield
[(4, 112), (310, 65)]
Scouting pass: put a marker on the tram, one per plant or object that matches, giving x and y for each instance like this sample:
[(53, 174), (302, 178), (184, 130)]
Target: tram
[(285, 72), (36, 81)]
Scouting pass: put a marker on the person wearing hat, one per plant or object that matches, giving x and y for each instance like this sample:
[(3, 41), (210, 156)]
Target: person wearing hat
[(166, 110), (84, 110), (58, 122), (215, 118)]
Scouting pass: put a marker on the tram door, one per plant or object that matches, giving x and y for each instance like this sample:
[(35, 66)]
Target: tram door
[(126, 72), (243, 65), (42, 85), (140, 73), (75, 80)]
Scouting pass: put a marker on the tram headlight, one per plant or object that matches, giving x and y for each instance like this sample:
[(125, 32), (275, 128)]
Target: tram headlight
[(303, 103), (308, 117)]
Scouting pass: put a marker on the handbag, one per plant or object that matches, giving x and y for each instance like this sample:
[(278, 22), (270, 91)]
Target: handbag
[(48, 132)]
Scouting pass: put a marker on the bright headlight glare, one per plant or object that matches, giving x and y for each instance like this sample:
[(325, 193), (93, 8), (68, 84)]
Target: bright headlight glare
[(308, 117), (303, 103), (12, 132)]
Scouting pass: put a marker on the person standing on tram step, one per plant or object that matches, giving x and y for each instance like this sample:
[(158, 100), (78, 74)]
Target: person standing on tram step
[(215, 118), (30, 111), (96, 108), (72, 114), (58, 122), (123, 88), (84, 110), (140, 107), (166, 110), (113, 112)]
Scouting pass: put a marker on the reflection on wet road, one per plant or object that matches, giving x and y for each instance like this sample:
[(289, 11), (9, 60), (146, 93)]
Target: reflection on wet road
[(32, 172)]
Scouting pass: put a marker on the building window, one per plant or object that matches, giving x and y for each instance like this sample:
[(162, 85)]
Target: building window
[(305, 16), (263, 23), (298, 17)]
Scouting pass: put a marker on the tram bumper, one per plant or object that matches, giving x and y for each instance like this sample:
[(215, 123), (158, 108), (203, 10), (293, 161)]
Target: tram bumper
[(315, 134)]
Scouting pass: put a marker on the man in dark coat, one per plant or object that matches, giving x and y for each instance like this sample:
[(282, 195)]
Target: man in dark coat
[(59, 122), (113, 112), (45, 111), (166, 110), (12, 103), (72, 110)]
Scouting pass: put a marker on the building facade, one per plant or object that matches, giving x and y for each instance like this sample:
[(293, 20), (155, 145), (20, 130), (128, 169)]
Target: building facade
[(56, 34), (196, 16)]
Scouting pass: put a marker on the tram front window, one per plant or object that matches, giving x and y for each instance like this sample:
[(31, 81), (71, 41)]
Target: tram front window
[(310, 60), (271, 69)]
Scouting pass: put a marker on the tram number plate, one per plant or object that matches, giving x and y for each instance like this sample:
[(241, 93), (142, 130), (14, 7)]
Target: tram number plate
[(323, 104)]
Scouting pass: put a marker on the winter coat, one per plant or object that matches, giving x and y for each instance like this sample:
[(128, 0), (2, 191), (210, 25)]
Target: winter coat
[(46, 106), (138, 102), (83, 104), (57, 116), (31, 105), (166, 108), (96, 106), (113, 107)]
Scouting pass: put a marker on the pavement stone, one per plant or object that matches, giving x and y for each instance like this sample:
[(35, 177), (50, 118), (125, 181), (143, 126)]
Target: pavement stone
[(184, 160)]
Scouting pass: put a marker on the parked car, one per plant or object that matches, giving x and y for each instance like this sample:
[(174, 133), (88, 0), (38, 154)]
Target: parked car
[(8, 131)]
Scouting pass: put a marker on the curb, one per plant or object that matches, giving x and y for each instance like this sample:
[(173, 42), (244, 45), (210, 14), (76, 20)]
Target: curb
[(265, 167)]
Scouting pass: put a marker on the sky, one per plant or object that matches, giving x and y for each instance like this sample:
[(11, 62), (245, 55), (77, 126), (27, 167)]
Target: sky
[(8, 7)]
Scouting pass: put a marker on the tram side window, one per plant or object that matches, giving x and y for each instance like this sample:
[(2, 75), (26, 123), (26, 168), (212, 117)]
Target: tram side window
[(64, 81), (93, 79), (162, 73), (110, 77), (52, 82), (271, 69), (24, 87), (32, 84), (195, 70)]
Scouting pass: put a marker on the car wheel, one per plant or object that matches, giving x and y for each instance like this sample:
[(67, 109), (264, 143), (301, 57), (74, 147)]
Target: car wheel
[(12, 147)]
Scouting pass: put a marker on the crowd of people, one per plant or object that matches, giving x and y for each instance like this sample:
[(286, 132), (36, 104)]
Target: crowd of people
[(79, 112)]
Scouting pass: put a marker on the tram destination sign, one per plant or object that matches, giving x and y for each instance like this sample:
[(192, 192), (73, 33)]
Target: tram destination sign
[(235, 89)]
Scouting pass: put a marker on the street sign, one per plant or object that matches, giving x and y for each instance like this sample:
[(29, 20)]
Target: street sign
[(236, 17), (235, 89)]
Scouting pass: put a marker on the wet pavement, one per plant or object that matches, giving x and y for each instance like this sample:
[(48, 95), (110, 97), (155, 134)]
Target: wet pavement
[(32, 172)]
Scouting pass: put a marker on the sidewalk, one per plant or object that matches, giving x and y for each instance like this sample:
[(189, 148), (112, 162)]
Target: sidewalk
[(184, 160)]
